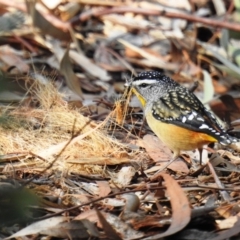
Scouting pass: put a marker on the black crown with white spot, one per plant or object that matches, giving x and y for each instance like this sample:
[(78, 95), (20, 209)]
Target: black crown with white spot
[(155, 75)]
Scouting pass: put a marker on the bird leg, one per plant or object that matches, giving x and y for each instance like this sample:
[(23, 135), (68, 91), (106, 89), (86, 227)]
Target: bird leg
[(200, 153), (175, 156)]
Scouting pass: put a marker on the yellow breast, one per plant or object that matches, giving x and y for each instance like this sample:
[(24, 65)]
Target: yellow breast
[(178, 138)]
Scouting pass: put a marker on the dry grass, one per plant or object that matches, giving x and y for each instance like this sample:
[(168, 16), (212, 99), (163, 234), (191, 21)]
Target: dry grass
[(46, 130)]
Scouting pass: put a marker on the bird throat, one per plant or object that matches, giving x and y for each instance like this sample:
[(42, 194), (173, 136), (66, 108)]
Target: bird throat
[(140, 97)]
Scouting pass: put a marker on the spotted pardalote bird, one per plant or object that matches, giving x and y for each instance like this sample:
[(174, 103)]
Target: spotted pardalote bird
[(176, 115)]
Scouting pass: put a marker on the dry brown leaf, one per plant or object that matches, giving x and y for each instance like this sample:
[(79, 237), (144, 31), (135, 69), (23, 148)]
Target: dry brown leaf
[(183, 4), (133, 54), (69, 10), (104, 188), (107, 203), (181, 211), (37, 227), (228, 222), (129, 22), (234, 159), (45, 20), (153, 60), (219, 87), (10, 57), (89, 66), (71, 79), (226, 210), (91, 215), (51, 4), (65, 66), (122, 228), (74, 229), (110, 232), (176, 166), (156, 149), (59, 227), (228, 233)]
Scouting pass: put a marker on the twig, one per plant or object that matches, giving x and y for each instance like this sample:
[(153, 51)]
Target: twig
[(223, 193), (98, 12), (120, 193)]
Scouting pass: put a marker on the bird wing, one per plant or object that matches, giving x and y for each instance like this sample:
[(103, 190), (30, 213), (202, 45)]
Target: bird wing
[(182, 108)]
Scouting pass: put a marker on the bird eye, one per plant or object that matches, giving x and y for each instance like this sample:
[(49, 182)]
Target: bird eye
[(143, 85)]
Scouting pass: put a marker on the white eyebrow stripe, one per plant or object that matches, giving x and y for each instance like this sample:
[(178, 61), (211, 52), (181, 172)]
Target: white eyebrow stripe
[(146, 81)]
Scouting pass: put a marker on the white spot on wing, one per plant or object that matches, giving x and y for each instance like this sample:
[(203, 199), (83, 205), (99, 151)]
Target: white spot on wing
[(204, 126), (191, 117), (200, 119), (184, 119)]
